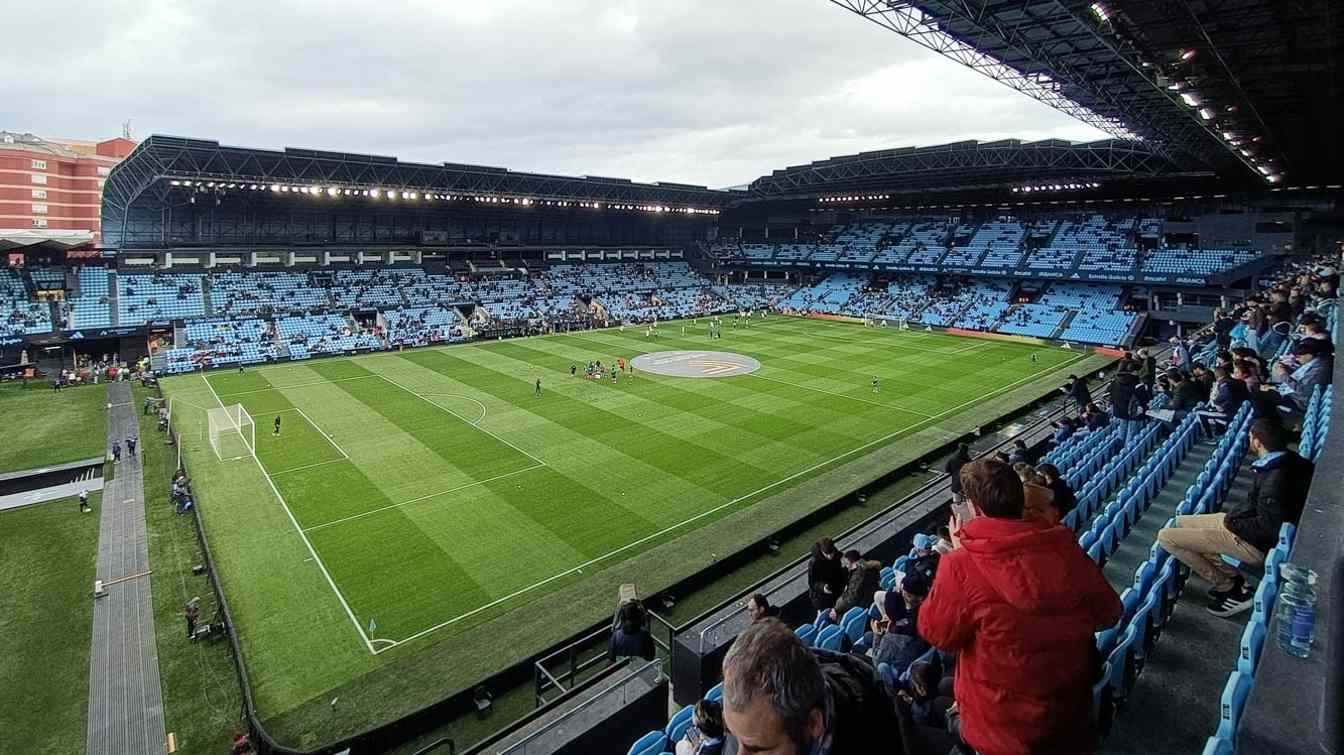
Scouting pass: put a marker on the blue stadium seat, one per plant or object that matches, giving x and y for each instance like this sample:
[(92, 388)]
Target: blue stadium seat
[(831, 638), (678, 724), (1218, 746), (715, 693), (649, 744), (807, 633), (1233, 701), (1252, 642)]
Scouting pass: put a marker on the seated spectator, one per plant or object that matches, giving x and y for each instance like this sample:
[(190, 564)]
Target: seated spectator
[(1094, 418), (1064, 430), (894, 637), (783, 698), (1314, 368), (1227, 397), (1185, 394), (705, 735), (1038, 499), (1064, 499), (1019, 453), (864, 579), (1019, 602), (758, 608), (1250, 530), (825, 575)]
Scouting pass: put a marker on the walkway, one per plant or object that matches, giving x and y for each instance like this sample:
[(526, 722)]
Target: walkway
[(125, 701)]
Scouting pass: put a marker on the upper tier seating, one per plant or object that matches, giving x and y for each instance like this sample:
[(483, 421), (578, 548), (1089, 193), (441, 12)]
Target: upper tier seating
[(265, 292), (1195, 262), (159, 296), (1001, 239)]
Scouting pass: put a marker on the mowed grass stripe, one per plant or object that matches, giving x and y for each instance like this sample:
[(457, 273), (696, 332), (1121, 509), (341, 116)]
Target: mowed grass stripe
[(333, 490), (670, 454), (728, 413), (477, 455)]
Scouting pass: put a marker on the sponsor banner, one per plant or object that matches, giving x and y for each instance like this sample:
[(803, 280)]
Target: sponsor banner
[(998, 336)]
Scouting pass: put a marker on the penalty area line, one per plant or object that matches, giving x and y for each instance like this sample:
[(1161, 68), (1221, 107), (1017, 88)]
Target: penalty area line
[(720, 507)]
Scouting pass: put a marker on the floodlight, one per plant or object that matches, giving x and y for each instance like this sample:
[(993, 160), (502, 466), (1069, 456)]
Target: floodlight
[(1190, 98), (1187, 54)]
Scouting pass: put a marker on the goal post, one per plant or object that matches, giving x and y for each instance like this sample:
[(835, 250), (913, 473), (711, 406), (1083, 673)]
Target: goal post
[(233, 434)]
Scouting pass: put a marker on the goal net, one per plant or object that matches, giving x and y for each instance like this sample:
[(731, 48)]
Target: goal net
[(232, 432)]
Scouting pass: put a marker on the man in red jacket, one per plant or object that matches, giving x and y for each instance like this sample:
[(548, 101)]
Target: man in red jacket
[(1019, 602)]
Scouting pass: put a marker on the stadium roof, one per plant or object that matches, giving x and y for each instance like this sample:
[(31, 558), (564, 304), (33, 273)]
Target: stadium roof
[(964, 165), (161, 162), (1248, 88)]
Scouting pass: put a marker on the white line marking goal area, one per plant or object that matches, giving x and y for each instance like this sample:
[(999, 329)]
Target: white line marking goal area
[(376, 645)]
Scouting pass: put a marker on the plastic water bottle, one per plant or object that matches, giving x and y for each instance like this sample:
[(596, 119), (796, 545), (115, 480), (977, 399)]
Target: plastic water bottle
[(1296, 610)]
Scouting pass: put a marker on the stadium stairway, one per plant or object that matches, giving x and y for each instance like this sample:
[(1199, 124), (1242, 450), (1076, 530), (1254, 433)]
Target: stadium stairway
[(1175, 702), (205, 296), (112, 299), (1064, 324)]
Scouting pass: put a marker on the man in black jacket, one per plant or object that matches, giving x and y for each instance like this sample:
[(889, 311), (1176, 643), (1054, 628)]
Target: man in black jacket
[(1079, 392), (1249, 531), (865, 578), (782, 697), (1185, 393)]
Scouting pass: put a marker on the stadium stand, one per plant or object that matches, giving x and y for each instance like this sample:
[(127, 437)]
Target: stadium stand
[(90, 307), (159, 296), (263, 293), (19, 314), (1194, 262), (309, 335), (414, 326)]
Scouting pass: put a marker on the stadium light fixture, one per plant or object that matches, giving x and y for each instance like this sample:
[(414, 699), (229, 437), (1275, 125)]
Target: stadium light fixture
[(1188, 54), (333, 191), (1190, 98), (1100, 11), (177, 183), (1206, 114)]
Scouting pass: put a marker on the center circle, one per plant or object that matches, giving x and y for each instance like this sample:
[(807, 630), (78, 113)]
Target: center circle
[(696, 364)]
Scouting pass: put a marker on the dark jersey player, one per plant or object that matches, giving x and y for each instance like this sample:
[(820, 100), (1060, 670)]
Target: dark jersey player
[(277, 425)]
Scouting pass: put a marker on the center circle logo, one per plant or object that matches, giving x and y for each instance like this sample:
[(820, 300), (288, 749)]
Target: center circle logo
[(696, 364)]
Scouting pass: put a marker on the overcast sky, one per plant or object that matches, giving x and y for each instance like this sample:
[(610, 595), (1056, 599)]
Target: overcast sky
[(714, 92)]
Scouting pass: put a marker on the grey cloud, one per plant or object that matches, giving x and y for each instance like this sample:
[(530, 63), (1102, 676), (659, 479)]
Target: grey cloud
[(703, 91)]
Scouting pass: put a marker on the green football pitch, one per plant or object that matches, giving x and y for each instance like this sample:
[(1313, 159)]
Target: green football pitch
[(411, 496)]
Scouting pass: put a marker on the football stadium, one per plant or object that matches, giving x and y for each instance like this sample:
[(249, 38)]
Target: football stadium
[(991, 446)]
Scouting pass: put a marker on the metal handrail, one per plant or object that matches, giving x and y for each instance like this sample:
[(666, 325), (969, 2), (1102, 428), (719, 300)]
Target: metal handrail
[(622, 683)]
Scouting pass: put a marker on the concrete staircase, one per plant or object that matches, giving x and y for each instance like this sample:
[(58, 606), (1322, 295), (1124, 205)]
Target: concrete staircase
[(113, 297)]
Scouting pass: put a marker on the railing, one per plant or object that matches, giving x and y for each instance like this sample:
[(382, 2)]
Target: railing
[(648, 673), (594, 646)]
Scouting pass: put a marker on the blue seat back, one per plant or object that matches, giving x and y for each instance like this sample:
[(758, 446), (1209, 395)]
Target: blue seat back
[(1236, 690), (679, 723), (831, 638), (652, 743), (715, 693), (807, 633), (1252, 642)]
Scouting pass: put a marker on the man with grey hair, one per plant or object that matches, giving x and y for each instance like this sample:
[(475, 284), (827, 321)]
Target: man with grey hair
[(783, 698)]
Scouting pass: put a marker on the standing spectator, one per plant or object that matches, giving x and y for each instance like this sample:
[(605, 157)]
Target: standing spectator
[(192, 614), (953, 469), (84, 501), (1147, 368), (1222, 329), (130, 446), (1249, 531), (116, 452), (825, 575), (1180, 354), (781, 697), (865, 578), (1079, 392), (1019, 602), (630, 637), (1123, 399)]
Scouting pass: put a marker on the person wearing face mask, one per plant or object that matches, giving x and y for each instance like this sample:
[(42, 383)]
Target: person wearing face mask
[(1248, 531), (783, 698)]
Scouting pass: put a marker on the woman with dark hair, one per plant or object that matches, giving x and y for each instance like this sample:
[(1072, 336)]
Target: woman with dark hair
[(705, 736), (1064, 499), (825, 576)]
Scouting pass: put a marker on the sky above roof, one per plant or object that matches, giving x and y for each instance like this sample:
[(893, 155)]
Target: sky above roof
[(713, 92)]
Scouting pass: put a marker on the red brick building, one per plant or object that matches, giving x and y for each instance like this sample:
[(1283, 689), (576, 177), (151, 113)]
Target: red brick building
[(52, 189)]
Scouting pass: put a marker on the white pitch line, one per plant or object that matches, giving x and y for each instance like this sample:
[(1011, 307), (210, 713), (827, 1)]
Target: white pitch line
[(311, 550), (841, 395), (363, 514), (425, 399), (324, 433), (722, 506), (287, 387), (309, 466)]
